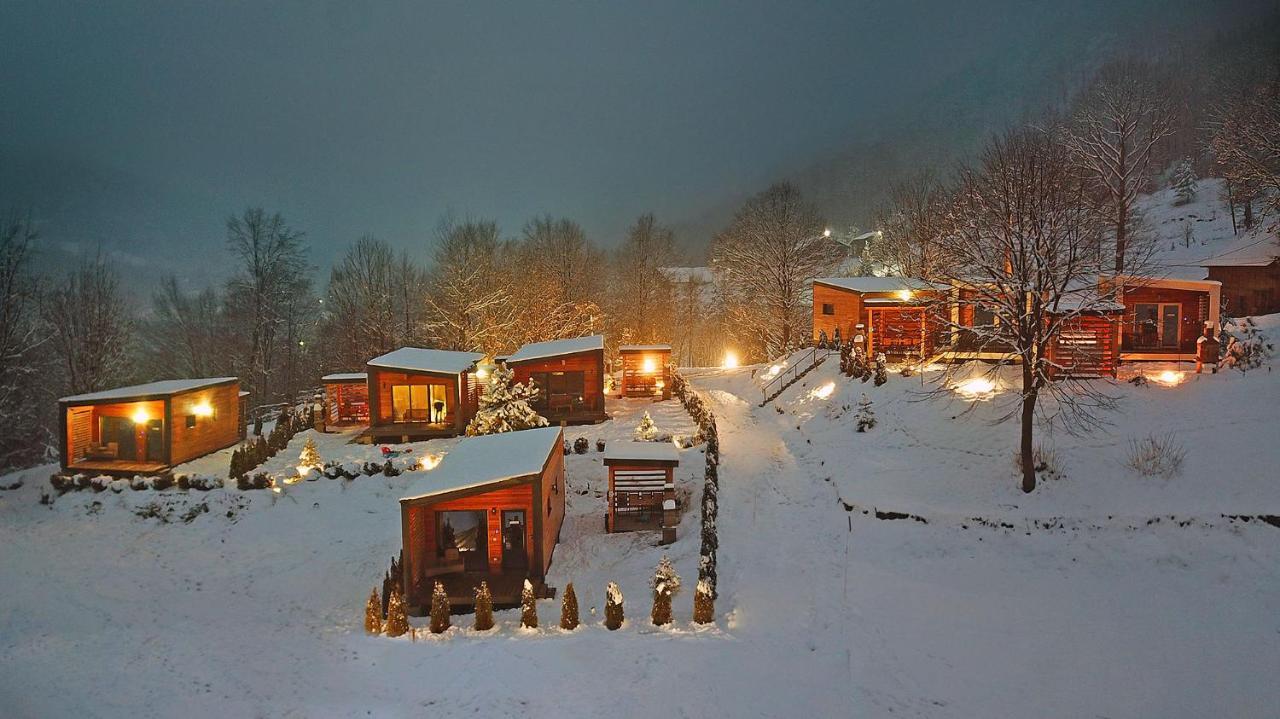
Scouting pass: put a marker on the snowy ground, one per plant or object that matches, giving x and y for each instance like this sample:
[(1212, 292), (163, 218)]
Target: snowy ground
[(823, 611)]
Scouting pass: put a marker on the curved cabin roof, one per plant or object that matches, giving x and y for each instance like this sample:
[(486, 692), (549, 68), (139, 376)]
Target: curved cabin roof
[(416, 359), (488, 459), (555, 348), (150, 390)]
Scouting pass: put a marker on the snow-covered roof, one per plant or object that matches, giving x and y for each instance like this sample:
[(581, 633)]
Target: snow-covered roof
[(878, 284), (345, 377), (553, 348), (641, 451), (477, 461), (416, 359), (644, 348), (163, 388)]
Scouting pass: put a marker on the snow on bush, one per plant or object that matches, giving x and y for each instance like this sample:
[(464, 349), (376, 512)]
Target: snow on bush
[(505, 406), (1156, 455)]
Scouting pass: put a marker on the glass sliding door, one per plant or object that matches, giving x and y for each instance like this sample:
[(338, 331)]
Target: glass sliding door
[(419, 403)]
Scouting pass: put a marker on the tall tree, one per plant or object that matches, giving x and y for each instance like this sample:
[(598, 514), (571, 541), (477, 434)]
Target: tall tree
[(765, 261), (372, 304), (1121, 118), (914, 215), (273, 267), (641, 303), (1245, 139), (91, 328), (559, 273), (185, 333), (22, 336), (470, 304)]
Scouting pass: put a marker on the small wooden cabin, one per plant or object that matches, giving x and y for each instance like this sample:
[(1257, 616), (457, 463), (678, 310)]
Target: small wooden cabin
[(1163, 318), (490, 511), (890, 310), (642, 493), (646, 371), (1088, 344), (346, 397), (1250, 285), (416, 393), (149, 428), (569, 375)]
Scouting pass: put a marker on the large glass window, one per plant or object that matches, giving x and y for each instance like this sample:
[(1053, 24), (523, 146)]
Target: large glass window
[(559, 390), (1156, 324), (418, 403)]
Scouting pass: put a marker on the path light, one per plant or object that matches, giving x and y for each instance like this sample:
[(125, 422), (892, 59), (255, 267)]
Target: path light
[(429, 461), (1169, 378), (730, 359), (772, 371), (140, 416), (826, 232), (978, 388), (824, 391)]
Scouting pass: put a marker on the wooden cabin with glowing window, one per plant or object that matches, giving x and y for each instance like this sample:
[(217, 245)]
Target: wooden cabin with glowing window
[(490, 511), (1164, 318), (417, 394), (889, 309), (149, 428), (569, 375), (346, 399), (646, 370)]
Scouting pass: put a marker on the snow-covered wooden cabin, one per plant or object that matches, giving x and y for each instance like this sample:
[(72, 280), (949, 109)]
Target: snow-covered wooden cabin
[(490, 511), (417, 393), (569, 374), (1250, 277), (642, 492), (1163, 318), (346, 397), (890, 310), (148, 428), (646, 370)]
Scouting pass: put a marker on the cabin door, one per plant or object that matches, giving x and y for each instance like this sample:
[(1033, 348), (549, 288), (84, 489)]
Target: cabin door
[(1170, 317), (514, 553), (155, 441)]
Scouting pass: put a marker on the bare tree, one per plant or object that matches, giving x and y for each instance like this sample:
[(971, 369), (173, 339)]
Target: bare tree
[(1020, 244), (914, 215), (361, 302), (470, 305), (185, 335), (558, 273), (1119, 121), (272, 264), (91, 328), (1245, 140), (765, 261), (640, 305), (21, 337)]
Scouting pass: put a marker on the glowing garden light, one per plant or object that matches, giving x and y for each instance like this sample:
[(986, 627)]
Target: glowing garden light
[(1169, 378), (730, 359), (977, 388), (429, 461), (824, 391)]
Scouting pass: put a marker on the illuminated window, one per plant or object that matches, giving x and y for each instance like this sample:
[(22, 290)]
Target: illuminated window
[(418, 403)]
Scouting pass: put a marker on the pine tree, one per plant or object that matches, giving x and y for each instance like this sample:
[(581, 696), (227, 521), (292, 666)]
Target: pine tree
[(397, 620), (237, 463), (373, 613), (646, 431), (703, 604), (866, 415), (310, 456), (569, 609), (1185, 186), (613, 614), (528, 607), (505, 406), (666, 585), (439, 609), (882, 371), (257, 425), (484, 608)]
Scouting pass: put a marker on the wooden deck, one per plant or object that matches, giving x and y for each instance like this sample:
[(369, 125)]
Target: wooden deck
[(461, 588), (414, 431), (584, 416), (117, 466)]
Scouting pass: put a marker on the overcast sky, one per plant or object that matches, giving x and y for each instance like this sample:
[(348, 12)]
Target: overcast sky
[(142, 126)]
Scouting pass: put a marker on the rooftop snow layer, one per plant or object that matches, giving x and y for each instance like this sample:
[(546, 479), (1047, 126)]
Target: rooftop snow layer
[(150, 389), (644, 348), (417, 359), (645, 451), (345, 377), (477, 461), (878, 284), (553, 348)]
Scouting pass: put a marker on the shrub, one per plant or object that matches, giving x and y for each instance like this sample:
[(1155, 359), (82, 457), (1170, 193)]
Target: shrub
[(163, 481), (1045, 460), (569, 609), (373, 613), (397, 620), (613, 613), (599, 445), (439, 609), (528, 607), (703, 604), (258, 481), (1156, 455), (484, 608), (665, 584), (581, 445)]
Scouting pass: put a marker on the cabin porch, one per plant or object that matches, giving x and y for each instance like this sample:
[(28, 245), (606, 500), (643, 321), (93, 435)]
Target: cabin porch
[(409, 432), (122, 467), (504, 587)]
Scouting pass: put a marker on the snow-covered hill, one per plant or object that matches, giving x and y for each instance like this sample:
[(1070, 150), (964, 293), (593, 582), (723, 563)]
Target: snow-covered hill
[(1187, 235)]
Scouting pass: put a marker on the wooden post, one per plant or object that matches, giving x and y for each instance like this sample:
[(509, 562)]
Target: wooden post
[(670, 517)]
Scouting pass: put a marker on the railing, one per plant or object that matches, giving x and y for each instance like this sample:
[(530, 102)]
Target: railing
[(806, 362)]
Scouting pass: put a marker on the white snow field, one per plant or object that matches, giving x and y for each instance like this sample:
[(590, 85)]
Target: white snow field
[(1080, 605)]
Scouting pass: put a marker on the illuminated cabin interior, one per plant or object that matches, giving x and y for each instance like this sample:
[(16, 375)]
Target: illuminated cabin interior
[(646, 370)]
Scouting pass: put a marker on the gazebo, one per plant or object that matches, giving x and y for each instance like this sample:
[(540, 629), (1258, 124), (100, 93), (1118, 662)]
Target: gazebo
[(642, 491)]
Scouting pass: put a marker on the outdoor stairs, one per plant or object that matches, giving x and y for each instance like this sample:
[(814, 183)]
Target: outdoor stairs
[(804, 366)]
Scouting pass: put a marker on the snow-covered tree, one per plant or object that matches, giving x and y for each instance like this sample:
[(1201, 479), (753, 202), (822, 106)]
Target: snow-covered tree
[(310, 456), (881, 369), (569, 609), (613, 609), (1245, 126), (665, 585), (484, 608), (397, 619), (1184, 181), (373, 613), (528, 606), (646, 431), (505, 406), (704, 606), (866, 415), (439, 609)]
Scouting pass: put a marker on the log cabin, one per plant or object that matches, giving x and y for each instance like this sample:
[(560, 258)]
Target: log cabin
[(346, 397), (888, 308), (416, 394), (491, 511), (642, 492), (646, 370), (569, 375), (1163, 318), (1250, 285), (149, 428)]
